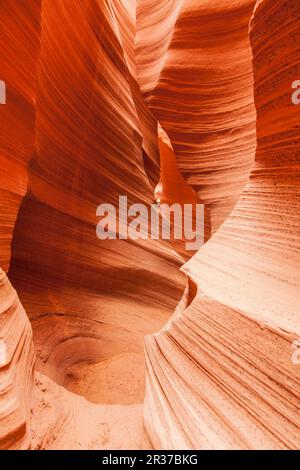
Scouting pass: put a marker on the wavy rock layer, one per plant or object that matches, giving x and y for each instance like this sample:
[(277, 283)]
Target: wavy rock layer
[(90, 302), (154, 29), (225, 363), (16, 367), (203, 92), (18, 56), (83, 79)]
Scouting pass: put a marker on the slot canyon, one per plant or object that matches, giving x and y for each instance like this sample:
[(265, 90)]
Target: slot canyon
[(142, 344)]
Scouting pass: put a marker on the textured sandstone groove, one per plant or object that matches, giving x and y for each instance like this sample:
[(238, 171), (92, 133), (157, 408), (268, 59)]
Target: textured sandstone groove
[(173, 190), (88, 81), (90, 303), (155, 21), (88, 300), (224, 364), (16, 367), (19, 39), (203, 97)]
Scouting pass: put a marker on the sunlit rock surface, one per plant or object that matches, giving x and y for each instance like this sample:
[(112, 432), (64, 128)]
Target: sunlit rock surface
[(16, 369), (225, 362), (89, 83), (202, 91)]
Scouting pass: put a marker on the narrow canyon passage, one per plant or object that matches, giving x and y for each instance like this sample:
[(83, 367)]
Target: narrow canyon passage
[(139, 344)]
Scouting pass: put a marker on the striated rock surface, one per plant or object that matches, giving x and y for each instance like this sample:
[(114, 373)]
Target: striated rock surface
[(173, 191), (20, 40), (89, 82), (225, 363), (203, 92), (88, 300), (154, 30), (16, 369)]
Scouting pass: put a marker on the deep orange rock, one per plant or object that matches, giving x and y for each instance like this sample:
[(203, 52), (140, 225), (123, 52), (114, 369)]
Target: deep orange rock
[(202, 92), (89, 82), (20, 41)]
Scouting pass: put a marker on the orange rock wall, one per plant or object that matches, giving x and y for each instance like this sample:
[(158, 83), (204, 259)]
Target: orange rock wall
[(18, 56), (89, 82), (225, 363), (79, 122), (202, 93), (16, 369)]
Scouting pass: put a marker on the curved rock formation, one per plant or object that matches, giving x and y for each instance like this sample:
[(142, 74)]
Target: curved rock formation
[(203, 97), (20, 41), (173, 191), (89, 82), (89, 301), (16, 369), (225, 363), (89, 149)]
